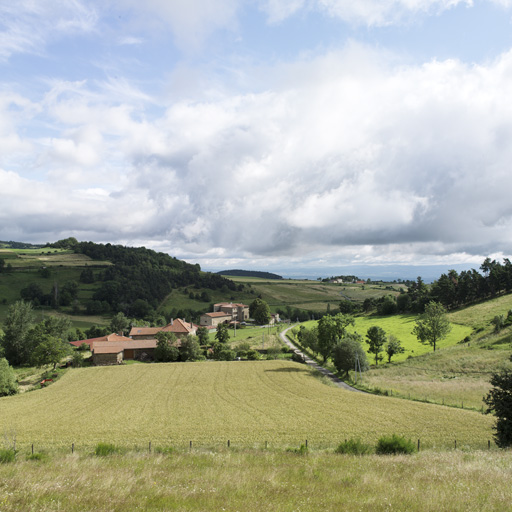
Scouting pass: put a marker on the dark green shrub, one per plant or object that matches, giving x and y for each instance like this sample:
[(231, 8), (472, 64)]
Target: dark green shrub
[(298, 358), (226, 355), (253, 355), (105, 449), (7, 456), (353, 447), (389, 445)]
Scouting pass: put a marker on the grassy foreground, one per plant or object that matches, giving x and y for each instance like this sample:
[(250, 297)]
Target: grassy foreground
[(248, 403), (260, 480)]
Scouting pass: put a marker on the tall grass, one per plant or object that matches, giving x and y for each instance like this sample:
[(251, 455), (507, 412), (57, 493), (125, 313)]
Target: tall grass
[(250, 481)]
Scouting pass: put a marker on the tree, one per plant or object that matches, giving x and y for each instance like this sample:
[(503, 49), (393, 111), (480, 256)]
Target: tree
[(433, 325), (16, 326), (498, 321), (222, 334), (260, 312), (8, 384), (393, 347), (376, 337), (189, 349), (347, 352), (166, 350), (308, 338), (330, 330), (499, 401), (202, 335), (50, 350), (119, 323)]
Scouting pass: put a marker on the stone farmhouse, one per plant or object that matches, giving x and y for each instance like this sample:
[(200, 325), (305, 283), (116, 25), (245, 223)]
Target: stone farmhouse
[(140, 345), (114, 349), (177, 326), (225, 312)]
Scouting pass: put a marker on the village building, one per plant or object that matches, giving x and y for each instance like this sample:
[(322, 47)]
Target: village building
[(110, 338), (238, 312), (212, 320), (109, 353), (177, 326), (114, 349), (225, 313)]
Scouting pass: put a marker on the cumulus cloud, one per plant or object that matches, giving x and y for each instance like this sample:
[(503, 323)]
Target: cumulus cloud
[(347, 155)]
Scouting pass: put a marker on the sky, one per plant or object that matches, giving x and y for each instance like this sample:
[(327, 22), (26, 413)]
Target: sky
[(260, 134)]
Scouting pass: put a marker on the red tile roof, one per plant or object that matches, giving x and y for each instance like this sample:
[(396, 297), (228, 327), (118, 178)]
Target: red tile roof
[(110, 338), (100, 347), (144, 331)]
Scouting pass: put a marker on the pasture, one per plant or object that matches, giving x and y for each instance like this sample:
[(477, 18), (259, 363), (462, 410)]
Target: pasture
[(401, 326), (256, 480), (248, 403)]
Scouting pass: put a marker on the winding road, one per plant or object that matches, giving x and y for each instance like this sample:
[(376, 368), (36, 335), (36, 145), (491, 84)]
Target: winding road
[(313, 364)]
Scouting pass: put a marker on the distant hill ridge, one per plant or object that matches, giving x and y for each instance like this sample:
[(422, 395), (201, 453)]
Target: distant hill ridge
[(250, 273)]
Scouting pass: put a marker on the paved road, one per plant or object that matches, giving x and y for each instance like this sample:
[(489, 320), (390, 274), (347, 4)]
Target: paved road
[(315, 365)]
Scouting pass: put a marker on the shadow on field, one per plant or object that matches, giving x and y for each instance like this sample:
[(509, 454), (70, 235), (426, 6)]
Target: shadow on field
[(289, 370)]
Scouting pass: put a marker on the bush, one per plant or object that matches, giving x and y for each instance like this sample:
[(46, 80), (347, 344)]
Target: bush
[(105, 449), (253, 355), (389, 445), (297, 358), (226, 355), (273, 352), (7, 456), (353, 447), (8, 383)]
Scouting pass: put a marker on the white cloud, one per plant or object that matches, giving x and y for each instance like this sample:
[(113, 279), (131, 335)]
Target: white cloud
[(347, 155), (26, 26)]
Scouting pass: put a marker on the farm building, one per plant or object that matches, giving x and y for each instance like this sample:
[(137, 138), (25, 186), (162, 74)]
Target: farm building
[(212, 320), (237, 312), (107, 353), (178, 327), (111, 338)]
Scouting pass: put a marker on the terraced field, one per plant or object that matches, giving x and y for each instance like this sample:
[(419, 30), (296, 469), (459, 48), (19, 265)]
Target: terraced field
[(208, 403)]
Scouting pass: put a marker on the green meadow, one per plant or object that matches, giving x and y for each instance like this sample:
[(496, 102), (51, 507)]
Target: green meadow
[(401, 326)]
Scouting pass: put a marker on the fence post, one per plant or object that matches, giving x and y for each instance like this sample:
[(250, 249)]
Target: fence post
[(32, 448), (229, 443), (455, 443), (488, 444), (306, 443), (73, 448), (149, 446), (418, 445), (190, 446)]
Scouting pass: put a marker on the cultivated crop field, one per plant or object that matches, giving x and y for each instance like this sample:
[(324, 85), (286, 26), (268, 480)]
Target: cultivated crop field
[(209, 403)]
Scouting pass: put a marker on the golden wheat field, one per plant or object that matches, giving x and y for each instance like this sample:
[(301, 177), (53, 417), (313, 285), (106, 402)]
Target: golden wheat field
[(208, 403)]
